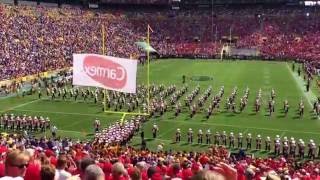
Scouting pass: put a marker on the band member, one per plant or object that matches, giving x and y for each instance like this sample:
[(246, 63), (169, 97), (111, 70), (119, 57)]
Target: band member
[(273, 94), (317, 108), (286, 107), (190, 136), (178, 135), (277, 145), (96, 97), (231, 140), (217, 138), (308, 84), (249, 140), (224, 138), (193, 110), (301, 108), (48, 91), (292, 147), (293, 66), (268, 144), (311, 149), (200, 136), (155, 129), (208, 136), (209, 111), (240, 138), (285, 149), (258, 142), (39, 93), (257, 105), (301, 147), (97, 125), (54, 131), (271, 106), (64, 94), (53, 94), (178, 109)]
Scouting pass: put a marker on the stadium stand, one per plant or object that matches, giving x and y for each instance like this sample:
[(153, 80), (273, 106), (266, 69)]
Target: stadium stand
[(46, 37), (38, 39)]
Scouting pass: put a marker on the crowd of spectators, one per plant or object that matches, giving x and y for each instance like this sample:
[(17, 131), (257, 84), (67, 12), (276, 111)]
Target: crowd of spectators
[(38, 39), (46, 158)]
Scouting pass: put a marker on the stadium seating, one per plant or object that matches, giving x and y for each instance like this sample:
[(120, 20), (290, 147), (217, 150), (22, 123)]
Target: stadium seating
[(40, 39)]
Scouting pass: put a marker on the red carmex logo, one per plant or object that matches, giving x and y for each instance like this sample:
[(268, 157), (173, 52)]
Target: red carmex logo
[(105, 71)]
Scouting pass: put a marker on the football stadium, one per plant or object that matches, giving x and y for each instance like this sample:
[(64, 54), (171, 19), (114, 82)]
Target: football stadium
[(159, 89)]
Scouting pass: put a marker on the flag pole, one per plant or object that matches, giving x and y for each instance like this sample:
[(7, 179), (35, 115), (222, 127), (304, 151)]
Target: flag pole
[(148, 64), (104, 53)]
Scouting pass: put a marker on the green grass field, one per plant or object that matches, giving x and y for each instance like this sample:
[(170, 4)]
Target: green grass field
[(75, 119)]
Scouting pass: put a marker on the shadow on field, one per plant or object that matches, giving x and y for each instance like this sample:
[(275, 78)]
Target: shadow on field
[(281, 116), (252, 114), (296, 117)]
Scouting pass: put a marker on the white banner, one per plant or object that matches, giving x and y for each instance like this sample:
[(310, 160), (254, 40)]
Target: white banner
[(107, 72)]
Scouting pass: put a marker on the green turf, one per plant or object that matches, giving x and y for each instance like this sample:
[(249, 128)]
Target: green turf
[(75, 119)]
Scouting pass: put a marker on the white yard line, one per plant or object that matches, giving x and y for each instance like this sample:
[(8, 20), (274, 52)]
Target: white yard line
[(65, 113), (170, 129), (310, 96), (282, 134), (78, 132), (20, 105), (244, 132)]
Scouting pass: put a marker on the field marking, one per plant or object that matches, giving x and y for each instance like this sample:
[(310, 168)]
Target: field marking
[(66, 113), (186, 122), (167, 131), (20, 105), (244, 132), (172, 142), (78, 132), (282, 134), (310, 96)]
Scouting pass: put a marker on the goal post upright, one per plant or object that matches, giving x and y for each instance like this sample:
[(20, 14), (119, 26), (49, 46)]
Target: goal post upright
[(148, 72), (104, 53), (148, 79)]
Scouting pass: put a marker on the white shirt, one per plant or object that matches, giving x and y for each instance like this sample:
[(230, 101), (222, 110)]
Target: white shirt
[(160, 147), (54, 129), (62, 174), (11, 178)]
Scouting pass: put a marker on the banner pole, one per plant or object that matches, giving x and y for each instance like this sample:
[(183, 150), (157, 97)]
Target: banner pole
[(122, 118), (148, 63), (104, 53)]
